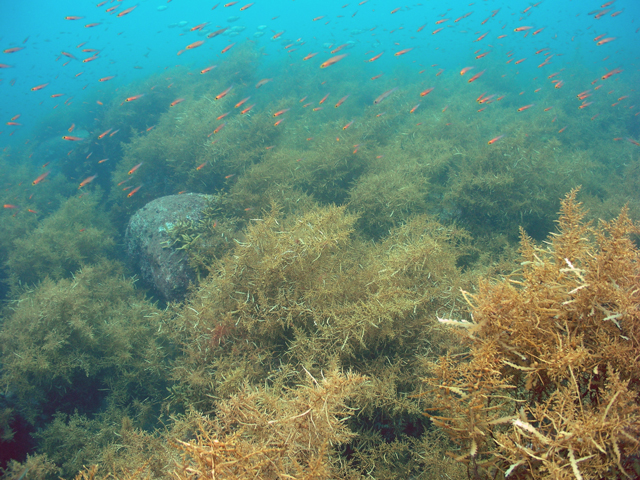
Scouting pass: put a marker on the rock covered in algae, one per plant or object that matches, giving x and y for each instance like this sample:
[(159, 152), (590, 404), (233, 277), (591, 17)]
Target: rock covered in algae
[(160, 261)]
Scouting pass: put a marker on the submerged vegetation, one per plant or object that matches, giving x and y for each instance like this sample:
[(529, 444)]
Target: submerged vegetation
[(310, 345)]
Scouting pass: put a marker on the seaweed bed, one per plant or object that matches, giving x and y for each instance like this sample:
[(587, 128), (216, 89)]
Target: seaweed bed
[(369, 305)]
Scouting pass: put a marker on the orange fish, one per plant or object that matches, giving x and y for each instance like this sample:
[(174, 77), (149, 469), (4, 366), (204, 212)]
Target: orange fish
[(8, 205), (476, 76), (87, 180), (246, 6), (494, 140), (323, 99), (124, 12), (414, 108), (13, 50), (241, 102), (426, 92), (465, 70), (341, 101), (73, 125), (223, 94), (522, 109), (89, 25), (199, 27), (246, 110), (134, 168), (40, 178), (277, 35), (311, 55), (39, 87), (105, 79), (226, 49), (72, 139), (402, 52), (132, 192), (220, 117), (208, 69), (333, 60), (104, 134), (71, 17), (280, 112), (347, 125), (522, 29), (373, 59), (201, 166), (606, 40), (176, 102), (220, 127), (194, 45)]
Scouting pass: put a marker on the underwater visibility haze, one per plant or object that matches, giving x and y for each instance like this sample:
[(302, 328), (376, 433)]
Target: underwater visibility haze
[(388, 240)]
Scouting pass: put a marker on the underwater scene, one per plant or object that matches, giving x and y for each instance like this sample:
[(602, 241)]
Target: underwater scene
[(298, 239)]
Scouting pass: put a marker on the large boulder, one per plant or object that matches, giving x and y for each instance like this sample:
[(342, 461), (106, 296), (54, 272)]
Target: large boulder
[(161, 266)]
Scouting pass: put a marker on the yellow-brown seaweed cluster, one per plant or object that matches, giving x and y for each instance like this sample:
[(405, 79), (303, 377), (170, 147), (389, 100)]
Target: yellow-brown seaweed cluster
[(549, 385)]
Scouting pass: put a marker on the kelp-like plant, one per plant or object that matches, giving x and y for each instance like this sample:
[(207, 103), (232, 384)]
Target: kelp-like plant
[(550, 385)]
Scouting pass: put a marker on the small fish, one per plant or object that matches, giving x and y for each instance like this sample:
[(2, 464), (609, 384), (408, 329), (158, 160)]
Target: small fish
[(104, 134), (135, 97), (227, 48), (106, 79), (495, 139), (246, 110), (176, 102), (281, 112), (311, 55), (324, 99), (13, 50), (384, 95), (130, 172), (476, 76), (128, 10), (426, 92), (69, 138), (223, 94), (220, 127), (606, 40), (39, 87), (86, 181), (373, 59), (522, 29), (201, 166), (341, 101), (40, 178), (526, 107), (414, 108), (241, 102), (208, 69), (73, 17), (333, 60), (402, 52), (132, 192), (263, 81), (194, 45), (9, 205), (347, 125)]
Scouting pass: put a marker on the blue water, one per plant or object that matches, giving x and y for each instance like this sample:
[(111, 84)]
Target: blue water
[(147, 40)]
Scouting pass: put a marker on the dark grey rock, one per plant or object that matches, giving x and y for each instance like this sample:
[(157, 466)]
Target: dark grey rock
[(164, 268)]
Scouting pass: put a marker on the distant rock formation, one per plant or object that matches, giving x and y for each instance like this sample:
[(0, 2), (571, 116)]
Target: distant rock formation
[(161, 266)]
